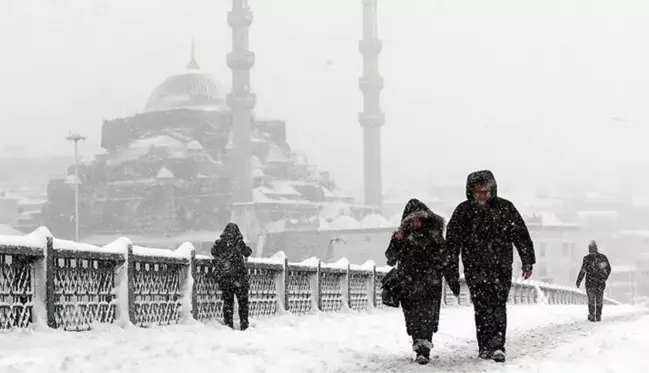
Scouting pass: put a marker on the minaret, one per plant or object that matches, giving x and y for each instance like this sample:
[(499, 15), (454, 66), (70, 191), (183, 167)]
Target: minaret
[(193, 65), (372, 118), (241, 101)]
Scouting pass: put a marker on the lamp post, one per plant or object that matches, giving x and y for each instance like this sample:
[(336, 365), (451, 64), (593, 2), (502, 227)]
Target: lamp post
[(75, 137)]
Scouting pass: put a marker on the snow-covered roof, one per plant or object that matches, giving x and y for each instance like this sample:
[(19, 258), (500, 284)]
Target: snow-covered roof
[(283, 188), (345, 222), (165, 173), (375, 221)]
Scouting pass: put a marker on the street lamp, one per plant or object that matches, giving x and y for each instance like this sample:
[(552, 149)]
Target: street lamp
[(76, 138)]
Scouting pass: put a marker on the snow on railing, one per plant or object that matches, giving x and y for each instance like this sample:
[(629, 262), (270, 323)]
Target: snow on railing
[(68, 285)]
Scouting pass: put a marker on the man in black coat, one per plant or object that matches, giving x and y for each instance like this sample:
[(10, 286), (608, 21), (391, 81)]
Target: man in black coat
[(419, 251), (483, 229), (596, 268), (229, 252)]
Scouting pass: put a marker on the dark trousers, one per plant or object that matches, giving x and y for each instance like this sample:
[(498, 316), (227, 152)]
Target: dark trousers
[(595, 302), (241, 292), (421, 312), (489, 297)]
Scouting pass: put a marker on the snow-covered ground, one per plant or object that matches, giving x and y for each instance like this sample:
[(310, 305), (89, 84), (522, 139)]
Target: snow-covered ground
[(540, 339)]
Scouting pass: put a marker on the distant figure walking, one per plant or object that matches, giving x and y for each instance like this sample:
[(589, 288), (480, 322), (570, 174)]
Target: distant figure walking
[(596, 268), (418, 250), (229, 252), (484, 229)]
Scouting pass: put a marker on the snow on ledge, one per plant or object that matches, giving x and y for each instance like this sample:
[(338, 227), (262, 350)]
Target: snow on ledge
[(61, 244), (278, 258), (36, 239), (342, 263), (120, 246), (384, 269), (165, 253), (367, 266), (310, 262)]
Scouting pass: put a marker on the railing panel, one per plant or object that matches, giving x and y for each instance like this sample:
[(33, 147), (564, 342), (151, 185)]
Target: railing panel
[(263, 291), (84, 293), (358, 290), (300, 290), (156, 288), (331, 292), (16, 291), (208, 299)]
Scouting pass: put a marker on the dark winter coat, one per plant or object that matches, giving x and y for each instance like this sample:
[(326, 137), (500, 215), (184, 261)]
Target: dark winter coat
[(421, 253), (597, 269), (484, 234), (229, 252)]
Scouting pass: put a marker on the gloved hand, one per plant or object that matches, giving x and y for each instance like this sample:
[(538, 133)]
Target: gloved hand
[(578, 285), (527, 271), (455, 287)]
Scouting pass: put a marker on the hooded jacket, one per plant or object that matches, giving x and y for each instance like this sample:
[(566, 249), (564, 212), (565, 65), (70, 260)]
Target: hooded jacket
[(229, 252), (484, 234), (595, 267), (420, 253)]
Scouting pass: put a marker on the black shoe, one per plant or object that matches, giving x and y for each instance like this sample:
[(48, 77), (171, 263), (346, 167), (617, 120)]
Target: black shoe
[(498, 356), (591, 318), (485, 355), (244, 326), (422, 360)]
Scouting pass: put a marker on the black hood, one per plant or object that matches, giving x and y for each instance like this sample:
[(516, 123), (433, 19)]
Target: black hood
[(416, 209), (231, 233), (480, 177)]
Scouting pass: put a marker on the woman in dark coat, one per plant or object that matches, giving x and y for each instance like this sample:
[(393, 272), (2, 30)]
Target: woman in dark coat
[(418, 250), (231, 274)]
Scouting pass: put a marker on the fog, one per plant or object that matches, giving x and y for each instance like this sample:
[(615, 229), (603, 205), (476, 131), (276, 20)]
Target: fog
[(545, 93)]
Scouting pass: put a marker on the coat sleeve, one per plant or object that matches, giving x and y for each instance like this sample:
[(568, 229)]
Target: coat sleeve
[(393, 253), (216, 248), (522, 240), (582, 272), (455, 231), (246, 251)]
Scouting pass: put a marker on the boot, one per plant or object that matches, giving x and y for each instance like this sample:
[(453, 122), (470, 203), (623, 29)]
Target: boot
[(498, 356), (422, 347)]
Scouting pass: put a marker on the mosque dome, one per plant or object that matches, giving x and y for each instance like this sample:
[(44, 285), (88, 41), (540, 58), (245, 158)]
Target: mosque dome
[(193, 89)]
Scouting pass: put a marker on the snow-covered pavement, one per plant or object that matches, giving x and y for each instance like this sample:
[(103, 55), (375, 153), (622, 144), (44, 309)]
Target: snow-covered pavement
[(540, 339)]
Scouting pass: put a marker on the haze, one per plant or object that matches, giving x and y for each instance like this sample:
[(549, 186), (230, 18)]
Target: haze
[(545, 93)]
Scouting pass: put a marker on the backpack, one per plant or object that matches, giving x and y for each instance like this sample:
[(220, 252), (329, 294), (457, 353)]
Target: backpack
[(225, 264)]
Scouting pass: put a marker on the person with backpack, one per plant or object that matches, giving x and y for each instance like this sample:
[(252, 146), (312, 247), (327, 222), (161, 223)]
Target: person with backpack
[(231, 274), (596, 268), (418, 250)]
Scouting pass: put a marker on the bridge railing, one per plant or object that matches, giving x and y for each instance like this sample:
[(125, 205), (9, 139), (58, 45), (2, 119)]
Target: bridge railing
[(71, 286)]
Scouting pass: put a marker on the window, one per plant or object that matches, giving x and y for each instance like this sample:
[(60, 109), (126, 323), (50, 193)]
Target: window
[(542, 249), (573, 251), (565, 249)]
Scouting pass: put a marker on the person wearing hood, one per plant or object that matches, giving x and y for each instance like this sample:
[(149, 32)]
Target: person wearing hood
[(597, 269), (483, 230), (418, 250), (231, 274)]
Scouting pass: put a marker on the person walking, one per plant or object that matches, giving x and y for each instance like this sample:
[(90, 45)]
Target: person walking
[(596, 268), (418, 250), (483, 230)]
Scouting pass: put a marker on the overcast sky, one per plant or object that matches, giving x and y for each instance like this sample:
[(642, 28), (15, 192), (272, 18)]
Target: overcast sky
[(537, 90)]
